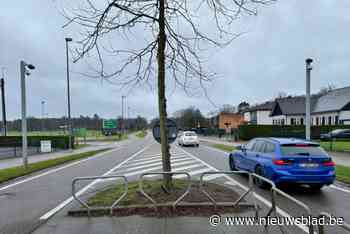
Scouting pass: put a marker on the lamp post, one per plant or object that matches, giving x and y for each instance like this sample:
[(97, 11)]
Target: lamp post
[(308, 62), (68, 95), (42, 114), (24, 71), (123, 127), (2, 84)]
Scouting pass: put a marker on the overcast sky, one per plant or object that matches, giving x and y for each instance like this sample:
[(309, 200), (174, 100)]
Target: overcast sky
[(269, 59)]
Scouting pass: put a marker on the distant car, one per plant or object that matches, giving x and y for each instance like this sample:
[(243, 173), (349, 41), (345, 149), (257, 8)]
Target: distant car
[(188, 138), (285, 161), (338, 133)]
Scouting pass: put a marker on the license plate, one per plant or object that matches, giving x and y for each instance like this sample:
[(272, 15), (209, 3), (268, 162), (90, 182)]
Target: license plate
[(309, 165)]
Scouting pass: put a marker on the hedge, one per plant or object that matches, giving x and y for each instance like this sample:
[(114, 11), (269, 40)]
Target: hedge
[(247, 132), (61, 142)]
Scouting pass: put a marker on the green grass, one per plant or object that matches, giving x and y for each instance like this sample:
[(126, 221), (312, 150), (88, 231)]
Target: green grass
[(141, 134), (79, 146), (109, 195), (343, 173), (223, 147), (338, 146), (14, 172)]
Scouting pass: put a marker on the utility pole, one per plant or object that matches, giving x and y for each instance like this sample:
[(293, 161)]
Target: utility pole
[(123, 127), (308, 62), (24, 72), (68, 96), (42, 115), (2, 83)]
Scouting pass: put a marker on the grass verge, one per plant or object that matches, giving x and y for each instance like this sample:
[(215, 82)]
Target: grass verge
[(343, 173), (336, 146), (14, 172), (141, 134), (227, 148)]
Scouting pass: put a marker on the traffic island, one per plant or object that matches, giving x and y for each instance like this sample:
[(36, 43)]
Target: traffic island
[(195, 203)]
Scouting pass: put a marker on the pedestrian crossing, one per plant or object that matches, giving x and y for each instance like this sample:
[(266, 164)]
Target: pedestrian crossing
[(151, 161)]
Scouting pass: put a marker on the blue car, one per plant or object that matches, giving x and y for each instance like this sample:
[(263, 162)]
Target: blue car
[(285, 161)]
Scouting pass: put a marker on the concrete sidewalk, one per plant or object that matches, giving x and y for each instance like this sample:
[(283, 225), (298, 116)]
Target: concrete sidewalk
[(13, 162)]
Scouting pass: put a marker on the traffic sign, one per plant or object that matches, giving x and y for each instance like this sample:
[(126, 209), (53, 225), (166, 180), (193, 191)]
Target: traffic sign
[(172, 131), (109, 124)]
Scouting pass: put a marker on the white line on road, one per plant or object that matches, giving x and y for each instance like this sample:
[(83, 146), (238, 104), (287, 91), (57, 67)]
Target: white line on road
[(192, 173), (339, 188), (70, 199), (212, 177), (58, 169), (259, 197), (173, 159)]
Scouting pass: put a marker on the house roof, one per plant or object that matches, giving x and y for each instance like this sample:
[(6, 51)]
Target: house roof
[(292, 105), (263, 106), (335, 100)]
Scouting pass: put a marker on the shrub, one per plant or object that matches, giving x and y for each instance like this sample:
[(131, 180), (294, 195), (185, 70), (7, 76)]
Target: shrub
[(61, 142)]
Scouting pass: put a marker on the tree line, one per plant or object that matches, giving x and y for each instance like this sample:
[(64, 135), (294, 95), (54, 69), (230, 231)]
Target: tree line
[(91, 123)]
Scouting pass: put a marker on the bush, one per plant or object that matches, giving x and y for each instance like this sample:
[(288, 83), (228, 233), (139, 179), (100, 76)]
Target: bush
[(247, 132), (61, 142)]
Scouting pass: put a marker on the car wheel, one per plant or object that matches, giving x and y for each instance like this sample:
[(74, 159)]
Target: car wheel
[(197, 145), (260, 183), (316, 187), (232, 163)]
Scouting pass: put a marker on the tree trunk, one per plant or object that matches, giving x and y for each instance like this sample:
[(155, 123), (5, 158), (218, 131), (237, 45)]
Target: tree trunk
[(161, 96)]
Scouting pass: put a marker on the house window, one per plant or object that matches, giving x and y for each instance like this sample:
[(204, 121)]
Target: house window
[(301, 121), (317, 121), (323, 120), (292, 121), (312, 121), (336, 120), (282, 122), (329, 120)]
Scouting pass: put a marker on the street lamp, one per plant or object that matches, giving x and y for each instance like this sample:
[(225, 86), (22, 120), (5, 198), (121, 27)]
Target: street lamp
[(2, 84), (308, 62), (24, 71), (68, 95)]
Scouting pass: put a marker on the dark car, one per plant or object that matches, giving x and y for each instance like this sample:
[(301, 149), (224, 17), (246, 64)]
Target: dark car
[(338, 133)]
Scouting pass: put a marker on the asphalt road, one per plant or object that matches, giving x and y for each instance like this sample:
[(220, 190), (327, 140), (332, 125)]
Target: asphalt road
[(21, 205), (330, 199), (24, 202)]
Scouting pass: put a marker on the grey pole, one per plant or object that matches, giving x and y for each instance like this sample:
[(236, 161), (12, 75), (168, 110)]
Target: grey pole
[(42, 115), (68, 96), (24, 117), (308, 62), (2, 81), (123, 127)]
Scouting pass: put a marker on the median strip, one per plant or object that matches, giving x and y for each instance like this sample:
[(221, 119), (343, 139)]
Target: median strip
[(227, 148), (15, 172)]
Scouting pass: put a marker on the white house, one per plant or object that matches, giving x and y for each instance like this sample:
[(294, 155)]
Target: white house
[(329, 109), (259, 114)]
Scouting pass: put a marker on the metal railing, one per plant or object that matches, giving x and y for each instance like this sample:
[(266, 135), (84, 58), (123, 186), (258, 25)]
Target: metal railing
[(165, 173), (344, 226), (97, 179)]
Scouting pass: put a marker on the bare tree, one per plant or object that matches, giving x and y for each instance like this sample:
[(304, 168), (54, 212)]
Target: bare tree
[(173, 31)]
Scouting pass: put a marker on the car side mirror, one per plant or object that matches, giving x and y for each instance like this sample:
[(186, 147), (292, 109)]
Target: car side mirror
[(241, 148)]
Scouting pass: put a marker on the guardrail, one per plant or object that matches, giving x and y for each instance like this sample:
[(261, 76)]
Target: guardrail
[(344, 226), (251, 189), (165, 173), (96, 180)]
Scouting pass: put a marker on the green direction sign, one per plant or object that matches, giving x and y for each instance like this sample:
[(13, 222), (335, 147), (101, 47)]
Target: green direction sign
[(110, 124)]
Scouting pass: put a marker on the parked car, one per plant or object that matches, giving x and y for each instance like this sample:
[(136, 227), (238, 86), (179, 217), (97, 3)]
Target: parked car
[(337, 133), (285, 161), (188, 138)]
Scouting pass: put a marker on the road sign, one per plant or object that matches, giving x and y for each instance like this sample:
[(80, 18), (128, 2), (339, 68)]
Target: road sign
[(80, 132), (172, 131), (109, 124), (45, 146)]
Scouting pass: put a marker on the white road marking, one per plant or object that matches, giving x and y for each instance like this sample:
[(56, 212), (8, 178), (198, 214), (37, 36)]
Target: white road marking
[(259, 197), (173, 159), (70, 199), (231, 183), (339, 188), (192, 173), (215, 149), (212, 177), (57, 169), (157, 168)]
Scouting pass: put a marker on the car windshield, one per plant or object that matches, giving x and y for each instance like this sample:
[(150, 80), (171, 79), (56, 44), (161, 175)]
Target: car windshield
[(190, 134), (307, 150)]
